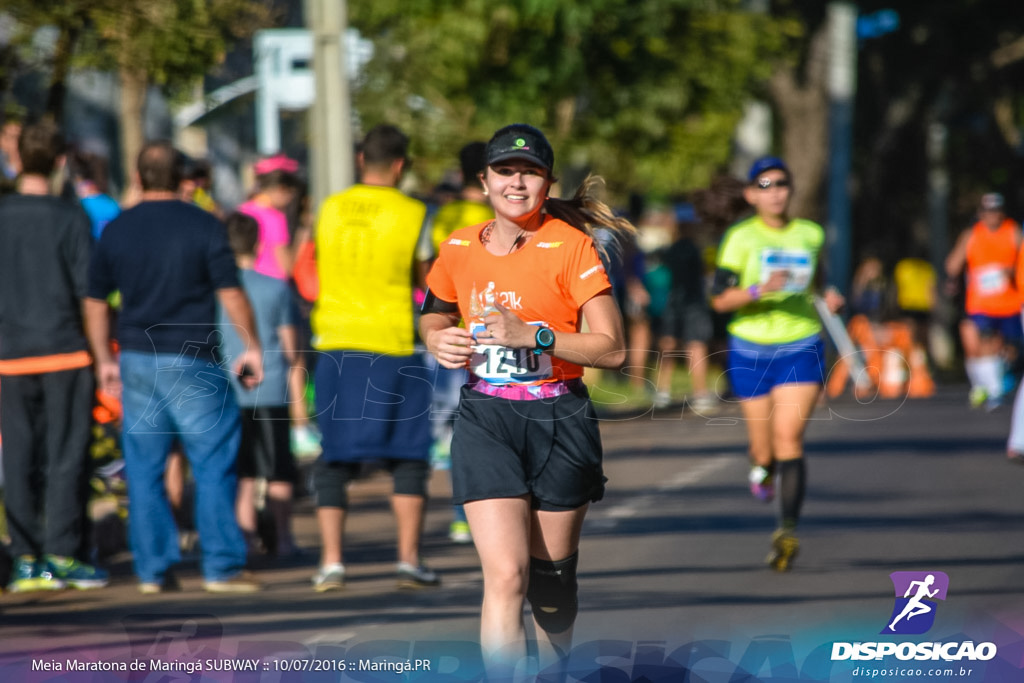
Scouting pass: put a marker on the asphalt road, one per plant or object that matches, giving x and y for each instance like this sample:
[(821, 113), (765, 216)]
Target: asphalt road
[(673, 581)]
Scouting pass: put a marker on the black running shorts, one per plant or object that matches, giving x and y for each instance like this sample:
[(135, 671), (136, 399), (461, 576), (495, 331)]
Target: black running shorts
[(548, 448), (265, 449)]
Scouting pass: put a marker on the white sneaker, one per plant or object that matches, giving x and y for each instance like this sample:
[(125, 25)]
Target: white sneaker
[(762, 484), (329, 578), (305, 442), (410, 576), (703, 403)]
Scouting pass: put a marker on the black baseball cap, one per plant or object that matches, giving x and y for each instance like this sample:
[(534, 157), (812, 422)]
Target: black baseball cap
[(520, 141)]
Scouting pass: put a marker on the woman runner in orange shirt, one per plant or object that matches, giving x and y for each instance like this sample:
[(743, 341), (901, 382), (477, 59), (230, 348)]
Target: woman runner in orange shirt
[(526, 452)]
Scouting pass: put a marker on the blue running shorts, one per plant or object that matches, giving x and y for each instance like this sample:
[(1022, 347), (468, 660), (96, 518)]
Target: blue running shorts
[(755, 369), (1008, 327)]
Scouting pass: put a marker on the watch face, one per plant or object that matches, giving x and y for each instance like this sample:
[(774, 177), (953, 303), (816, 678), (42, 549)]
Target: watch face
[(545, 337)]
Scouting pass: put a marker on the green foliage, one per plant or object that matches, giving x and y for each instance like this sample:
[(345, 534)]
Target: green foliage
[(174, 42), (171, 43), (645, 93)]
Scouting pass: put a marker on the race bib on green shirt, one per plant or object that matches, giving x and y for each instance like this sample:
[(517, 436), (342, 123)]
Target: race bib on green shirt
[(797, 264)]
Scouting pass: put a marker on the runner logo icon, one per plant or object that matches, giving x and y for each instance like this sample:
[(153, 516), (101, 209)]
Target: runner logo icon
[(914, 609)]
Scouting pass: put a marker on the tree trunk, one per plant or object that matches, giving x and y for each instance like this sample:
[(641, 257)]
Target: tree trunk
[(133, 100), (63, 52), (802, 104)]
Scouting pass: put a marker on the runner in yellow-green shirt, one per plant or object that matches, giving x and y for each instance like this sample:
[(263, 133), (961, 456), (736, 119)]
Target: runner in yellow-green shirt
[(767, 268)]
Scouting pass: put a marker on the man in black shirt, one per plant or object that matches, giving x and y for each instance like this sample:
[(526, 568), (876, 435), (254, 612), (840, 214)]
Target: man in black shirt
[(172, 264), (46, 381)]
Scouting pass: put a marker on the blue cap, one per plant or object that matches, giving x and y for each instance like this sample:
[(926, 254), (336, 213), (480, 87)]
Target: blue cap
[(686, 213), (766, 164)]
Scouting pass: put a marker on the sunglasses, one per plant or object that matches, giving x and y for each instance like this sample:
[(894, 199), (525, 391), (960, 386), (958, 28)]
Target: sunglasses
[(767, 183)]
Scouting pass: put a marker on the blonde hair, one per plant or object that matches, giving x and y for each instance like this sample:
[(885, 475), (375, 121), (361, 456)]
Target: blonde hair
[(586, 212)]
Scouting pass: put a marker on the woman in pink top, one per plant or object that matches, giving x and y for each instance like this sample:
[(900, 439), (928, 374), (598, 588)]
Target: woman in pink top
[(277, 185)]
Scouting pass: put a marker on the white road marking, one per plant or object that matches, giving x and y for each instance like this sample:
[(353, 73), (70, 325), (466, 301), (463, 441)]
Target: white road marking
[(697, 471)]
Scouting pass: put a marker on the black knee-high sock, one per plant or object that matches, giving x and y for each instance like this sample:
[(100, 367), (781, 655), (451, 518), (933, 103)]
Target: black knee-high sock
[(792, 483)]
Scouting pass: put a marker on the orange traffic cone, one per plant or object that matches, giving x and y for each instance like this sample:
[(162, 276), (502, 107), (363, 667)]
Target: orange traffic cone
[(862, 335), (893, 380), (921, 384), (895, 370), (837, 378)]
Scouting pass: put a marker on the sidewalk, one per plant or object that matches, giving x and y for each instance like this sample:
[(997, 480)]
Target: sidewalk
[(369, 542)]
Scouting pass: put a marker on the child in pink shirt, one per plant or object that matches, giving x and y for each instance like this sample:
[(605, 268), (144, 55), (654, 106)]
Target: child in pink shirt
[(276, 187)]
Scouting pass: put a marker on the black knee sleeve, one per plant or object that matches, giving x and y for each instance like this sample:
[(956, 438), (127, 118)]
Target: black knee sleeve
[(552, 593), (410, 477), (330, 483)]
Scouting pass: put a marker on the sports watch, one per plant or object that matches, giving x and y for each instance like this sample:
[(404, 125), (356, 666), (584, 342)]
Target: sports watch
[(545, 339)]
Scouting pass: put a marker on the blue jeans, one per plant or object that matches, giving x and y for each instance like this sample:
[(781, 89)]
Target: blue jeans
[(167, 396)]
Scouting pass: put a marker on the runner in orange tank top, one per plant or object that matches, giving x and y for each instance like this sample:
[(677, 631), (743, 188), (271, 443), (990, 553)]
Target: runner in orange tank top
[(991, 331), (526, 451)]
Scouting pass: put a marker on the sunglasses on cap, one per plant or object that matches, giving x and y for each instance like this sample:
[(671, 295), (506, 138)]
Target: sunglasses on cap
[(768, 183)]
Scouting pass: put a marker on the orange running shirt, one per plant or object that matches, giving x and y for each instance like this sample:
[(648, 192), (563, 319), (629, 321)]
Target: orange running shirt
[(1019, 276), (545, 282), (991, 261)]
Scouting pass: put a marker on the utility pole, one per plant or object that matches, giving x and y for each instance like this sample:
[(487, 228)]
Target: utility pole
[(331, 149), (845, 29), (943, 345), (842, 88)]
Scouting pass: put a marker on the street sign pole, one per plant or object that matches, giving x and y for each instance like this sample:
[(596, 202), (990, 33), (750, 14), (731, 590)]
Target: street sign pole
[(842, 87), (330, 144)]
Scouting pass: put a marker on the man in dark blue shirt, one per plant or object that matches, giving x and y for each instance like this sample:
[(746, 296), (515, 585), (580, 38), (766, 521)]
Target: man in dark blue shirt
[(171, 263)]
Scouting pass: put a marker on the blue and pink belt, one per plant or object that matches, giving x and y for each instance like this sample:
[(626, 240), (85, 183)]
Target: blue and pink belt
[(527, 392)]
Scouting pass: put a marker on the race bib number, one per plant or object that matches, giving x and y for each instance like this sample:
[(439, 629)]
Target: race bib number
[(797, 264), (991, 280), (502, 365)]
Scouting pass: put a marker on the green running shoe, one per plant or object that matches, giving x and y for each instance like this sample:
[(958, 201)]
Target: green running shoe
[(977, 397), (30, 574), (77, 574)]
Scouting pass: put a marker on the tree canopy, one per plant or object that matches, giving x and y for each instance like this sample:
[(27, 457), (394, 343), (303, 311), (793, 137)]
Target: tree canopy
[(644, 92), (169, 43), (648, 94)]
